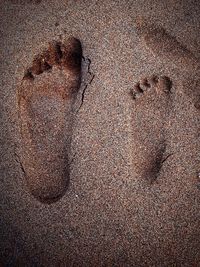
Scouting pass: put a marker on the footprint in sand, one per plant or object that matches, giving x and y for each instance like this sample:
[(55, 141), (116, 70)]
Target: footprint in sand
[(152, 103), (162, 44), (45, 101), (165, 46)]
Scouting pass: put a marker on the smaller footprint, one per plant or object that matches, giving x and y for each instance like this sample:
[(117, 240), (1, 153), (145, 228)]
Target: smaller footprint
[(152, 104), (46, 98), (158, 85)]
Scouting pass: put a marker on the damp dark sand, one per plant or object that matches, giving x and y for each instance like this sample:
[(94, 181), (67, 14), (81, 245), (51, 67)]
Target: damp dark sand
[(134, 187)]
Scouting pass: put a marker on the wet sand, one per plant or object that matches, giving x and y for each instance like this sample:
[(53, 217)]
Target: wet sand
[(111, 215)]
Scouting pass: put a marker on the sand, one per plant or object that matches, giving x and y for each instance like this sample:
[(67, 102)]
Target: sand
[(110, 215)]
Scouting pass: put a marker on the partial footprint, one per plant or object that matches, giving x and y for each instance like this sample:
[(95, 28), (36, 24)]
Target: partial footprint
[(45, 101), (164, 45), (151, 107), (191, 87)]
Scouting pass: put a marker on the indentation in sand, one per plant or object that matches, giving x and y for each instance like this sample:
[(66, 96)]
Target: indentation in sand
[(45, 101), (166, 46), (152, 103)]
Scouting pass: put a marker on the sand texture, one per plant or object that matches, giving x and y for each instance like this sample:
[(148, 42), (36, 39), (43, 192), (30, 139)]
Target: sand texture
[(100, 131)]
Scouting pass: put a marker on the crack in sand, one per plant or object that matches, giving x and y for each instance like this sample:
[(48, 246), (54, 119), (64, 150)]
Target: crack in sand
[(17, 159), (166, 158), (89, 82)]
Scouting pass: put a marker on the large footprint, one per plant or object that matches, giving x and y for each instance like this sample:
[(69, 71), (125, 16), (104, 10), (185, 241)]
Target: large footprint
[(45, 101), (152, 104)]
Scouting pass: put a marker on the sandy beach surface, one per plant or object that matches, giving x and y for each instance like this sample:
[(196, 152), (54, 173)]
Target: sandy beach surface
[(133, 197)]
